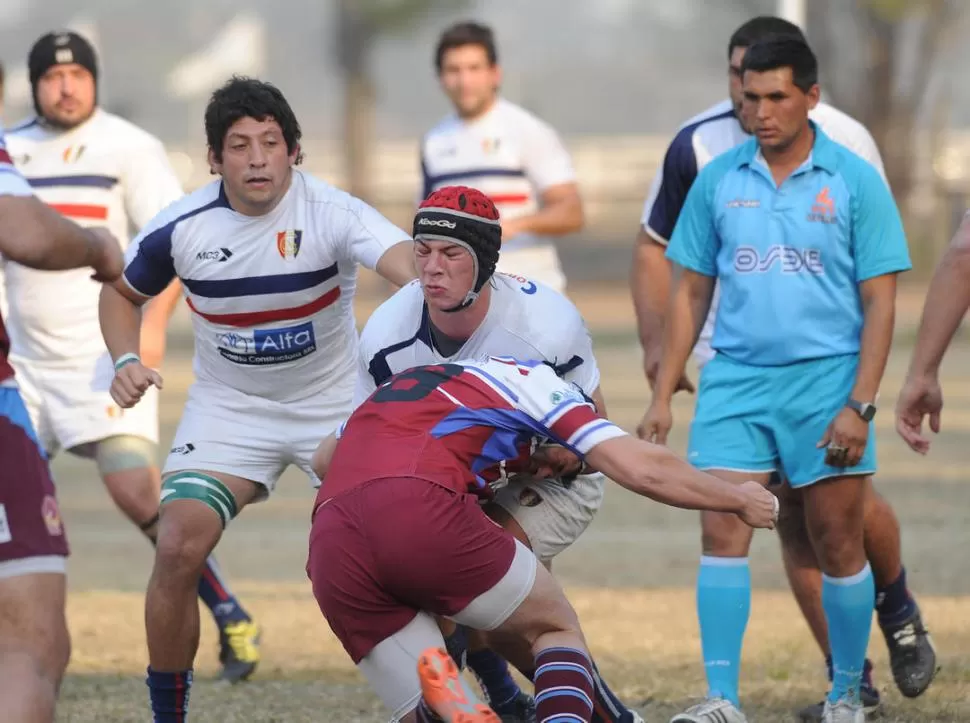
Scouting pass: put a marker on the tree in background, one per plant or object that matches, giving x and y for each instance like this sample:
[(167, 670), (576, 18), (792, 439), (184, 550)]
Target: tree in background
[(884, 63), (360, 25)]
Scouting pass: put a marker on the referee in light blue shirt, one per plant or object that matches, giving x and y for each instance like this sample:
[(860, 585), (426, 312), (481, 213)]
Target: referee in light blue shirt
[(805, 241)]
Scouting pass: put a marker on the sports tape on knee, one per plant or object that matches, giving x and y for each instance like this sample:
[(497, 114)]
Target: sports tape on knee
[(207, 490), (124, 452)]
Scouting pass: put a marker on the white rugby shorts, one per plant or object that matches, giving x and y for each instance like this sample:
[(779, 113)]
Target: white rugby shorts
[(71, 405), (551, 514), (539, 263), (225, 430)]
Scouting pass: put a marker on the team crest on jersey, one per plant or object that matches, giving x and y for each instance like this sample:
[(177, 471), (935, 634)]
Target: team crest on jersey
[(72, 154), (529, 498), (288, 243), (52, 516), (491, 145)]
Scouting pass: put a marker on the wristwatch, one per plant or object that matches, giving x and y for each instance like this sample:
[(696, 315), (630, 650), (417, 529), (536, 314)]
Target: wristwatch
[(864, 409)]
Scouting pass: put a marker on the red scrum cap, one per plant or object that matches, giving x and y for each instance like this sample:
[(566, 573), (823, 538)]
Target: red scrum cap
[(467, 217)]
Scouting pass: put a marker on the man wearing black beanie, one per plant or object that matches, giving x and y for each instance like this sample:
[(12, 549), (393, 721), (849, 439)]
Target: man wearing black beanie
[(98, 170)]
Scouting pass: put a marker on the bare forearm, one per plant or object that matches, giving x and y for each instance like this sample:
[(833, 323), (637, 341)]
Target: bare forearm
[(33, 234), (557, 219), (877, 338), (659, 474), (689, 305), (947, 303), (650, 288), (120, 322), (397, 263)]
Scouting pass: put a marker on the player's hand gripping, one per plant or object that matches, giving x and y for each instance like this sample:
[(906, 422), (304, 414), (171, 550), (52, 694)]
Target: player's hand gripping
[(132, 379), (107, 259), (760, 506), (554, 462), (919, 397), (845, 439), (656, 422)]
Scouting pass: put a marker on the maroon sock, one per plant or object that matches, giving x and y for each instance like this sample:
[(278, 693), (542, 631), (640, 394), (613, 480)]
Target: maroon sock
[(564, 686)]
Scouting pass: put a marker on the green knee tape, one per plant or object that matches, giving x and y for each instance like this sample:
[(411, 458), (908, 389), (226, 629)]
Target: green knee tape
[(199, 486)]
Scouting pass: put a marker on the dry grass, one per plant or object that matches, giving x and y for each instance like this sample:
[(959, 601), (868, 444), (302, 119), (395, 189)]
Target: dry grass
[(645, 641)]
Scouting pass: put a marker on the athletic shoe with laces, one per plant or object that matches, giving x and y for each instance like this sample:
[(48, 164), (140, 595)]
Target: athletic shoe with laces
[(712, 710), (239, 650), (912, 656), (842, 711), (446, 691), (868, 693)]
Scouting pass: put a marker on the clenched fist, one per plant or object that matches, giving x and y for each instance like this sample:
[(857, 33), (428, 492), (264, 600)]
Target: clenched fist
[(131, 382), (760, 507)]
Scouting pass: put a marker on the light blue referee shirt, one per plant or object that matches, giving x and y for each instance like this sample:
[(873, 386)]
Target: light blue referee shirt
[(789, 259)]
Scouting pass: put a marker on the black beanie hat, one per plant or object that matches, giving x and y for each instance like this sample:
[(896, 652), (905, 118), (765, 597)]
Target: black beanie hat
[(61, 48), (467, 217)]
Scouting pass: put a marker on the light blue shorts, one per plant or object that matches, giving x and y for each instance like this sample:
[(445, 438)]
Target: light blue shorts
[(765, 419)]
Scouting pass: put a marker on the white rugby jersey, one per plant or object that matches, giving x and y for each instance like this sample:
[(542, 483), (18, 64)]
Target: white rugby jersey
[(508, 154), (525, 320), (708, 135), (271, 296), (106, 172)]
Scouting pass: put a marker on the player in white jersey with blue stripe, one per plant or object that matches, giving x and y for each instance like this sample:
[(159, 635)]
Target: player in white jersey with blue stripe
[(99, 170), (460, 309), (504, 151), (701, 139), (267, 257)]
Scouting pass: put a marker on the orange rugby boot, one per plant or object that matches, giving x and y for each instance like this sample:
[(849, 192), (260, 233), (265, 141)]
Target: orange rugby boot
[(446, 691)]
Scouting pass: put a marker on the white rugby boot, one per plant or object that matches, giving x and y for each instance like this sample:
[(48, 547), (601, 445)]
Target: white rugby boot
[(842, 711), (712, 710)]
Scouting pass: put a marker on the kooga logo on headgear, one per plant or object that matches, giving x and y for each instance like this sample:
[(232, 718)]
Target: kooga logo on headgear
[(439, 222)]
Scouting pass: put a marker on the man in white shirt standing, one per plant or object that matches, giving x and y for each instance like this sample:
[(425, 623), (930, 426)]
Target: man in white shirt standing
[(98, 170), (698, 141), (267, 256), (504, 151)]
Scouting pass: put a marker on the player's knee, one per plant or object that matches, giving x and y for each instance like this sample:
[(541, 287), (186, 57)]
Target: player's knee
[(190, 524), (124, 453), (180, 552), (838, 545), (724, 535), (34, 630)]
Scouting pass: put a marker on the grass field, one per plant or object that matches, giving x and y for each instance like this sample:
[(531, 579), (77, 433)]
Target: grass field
[(630, 577)]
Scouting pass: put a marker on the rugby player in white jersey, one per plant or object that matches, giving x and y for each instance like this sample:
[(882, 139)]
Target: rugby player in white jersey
[(98, 170), (698, 141), (267, 257), (460, 309), (35, 645), (503, 150)]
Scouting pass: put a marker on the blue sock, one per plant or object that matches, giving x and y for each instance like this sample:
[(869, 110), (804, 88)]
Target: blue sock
[(493, 674), (894, 604), (607, 708), (723, 607), (217, 597), (169, 694), (848, 610), (457, 646)]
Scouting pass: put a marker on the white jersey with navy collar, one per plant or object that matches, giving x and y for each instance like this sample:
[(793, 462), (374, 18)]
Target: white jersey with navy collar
[(703, 138), (106, 172), (271, 296), (508, 154), (525, 320)]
